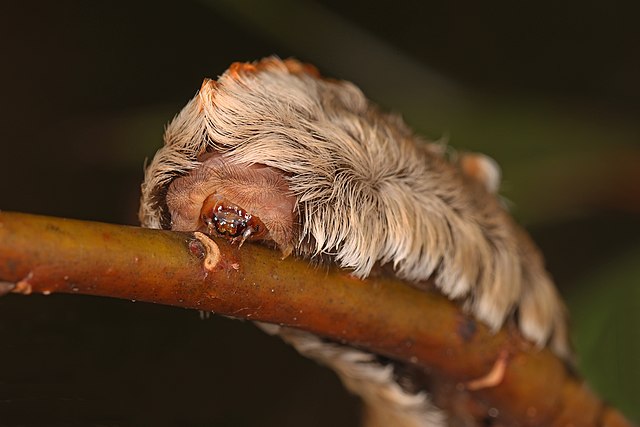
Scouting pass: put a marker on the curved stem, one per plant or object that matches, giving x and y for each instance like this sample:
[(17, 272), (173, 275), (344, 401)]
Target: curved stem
[(380, 314)]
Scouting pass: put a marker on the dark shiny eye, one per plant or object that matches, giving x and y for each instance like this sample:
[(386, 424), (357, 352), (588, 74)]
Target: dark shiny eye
[(228, 220)]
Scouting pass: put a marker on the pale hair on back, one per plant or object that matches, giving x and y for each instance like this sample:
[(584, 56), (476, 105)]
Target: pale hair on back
[(368, 190)]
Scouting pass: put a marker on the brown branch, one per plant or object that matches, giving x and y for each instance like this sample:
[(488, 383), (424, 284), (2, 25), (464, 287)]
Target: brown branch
[(524, 386)]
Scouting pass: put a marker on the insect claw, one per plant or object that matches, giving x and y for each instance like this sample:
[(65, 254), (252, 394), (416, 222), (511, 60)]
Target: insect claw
[(247, 233), (210, 229), (209, 224)]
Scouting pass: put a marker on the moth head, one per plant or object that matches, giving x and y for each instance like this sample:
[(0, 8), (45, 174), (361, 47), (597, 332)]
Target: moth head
[(195, 183)]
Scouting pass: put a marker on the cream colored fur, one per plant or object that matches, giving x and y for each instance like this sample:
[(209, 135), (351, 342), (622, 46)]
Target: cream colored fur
[(368, 191), (387, 403)]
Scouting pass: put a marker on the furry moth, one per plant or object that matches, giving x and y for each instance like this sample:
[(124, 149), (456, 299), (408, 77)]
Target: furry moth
[(272, 151)]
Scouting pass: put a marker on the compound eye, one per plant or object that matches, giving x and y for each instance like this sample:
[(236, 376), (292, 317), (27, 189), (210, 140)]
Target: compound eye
[(229, 220)]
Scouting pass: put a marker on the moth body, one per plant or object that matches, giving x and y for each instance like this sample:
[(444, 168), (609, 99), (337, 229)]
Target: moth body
[(328, 174)]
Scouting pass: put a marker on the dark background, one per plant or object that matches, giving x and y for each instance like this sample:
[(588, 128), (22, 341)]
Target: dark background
[(550, 90)]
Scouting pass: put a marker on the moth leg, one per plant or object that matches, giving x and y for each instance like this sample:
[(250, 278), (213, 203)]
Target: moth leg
[(247, 233)]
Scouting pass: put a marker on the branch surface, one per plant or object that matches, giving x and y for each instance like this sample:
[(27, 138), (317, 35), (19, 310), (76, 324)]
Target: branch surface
[(521, 384)]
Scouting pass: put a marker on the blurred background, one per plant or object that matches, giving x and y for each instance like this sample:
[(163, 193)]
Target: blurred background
[(549, 89)]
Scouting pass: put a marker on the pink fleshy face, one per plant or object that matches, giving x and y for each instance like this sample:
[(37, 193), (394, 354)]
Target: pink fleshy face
[(237, 202)]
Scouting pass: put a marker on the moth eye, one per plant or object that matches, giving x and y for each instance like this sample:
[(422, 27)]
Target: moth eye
[(229, 220)]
